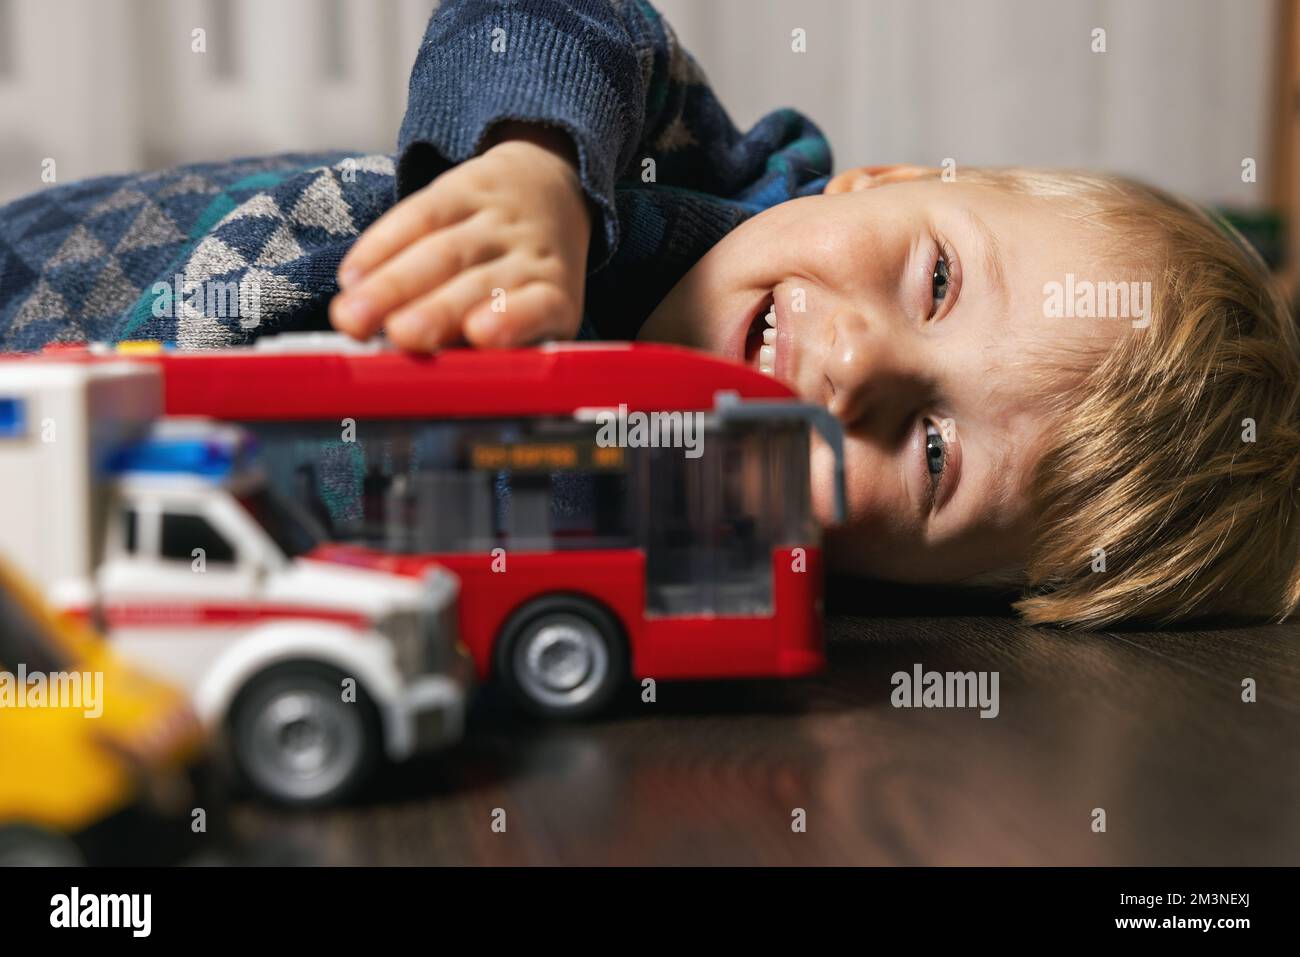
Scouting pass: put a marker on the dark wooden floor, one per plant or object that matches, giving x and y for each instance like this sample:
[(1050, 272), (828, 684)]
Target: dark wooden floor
[(1150, 727)]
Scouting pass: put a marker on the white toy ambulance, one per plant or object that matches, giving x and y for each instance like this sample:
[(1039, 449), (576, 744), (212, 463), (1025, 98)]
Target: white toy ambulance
[(165, 533)]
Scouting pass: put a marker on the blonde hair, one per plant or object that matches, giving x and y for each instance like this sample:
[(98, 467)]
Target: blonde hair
[(1168, 491)]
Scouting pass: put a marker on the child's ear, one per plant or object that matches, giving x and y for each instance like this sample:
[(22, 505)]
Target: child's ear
[(866, 177)]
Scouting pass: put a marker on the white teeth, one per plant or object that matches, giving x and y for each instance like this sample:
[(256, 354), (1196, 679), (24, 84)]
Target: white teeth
[(767, 352)]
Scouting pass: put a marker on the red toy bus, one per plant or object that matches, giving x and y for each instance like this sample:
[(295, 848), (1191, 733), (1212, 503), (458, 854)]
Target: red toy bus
[(686, 548)]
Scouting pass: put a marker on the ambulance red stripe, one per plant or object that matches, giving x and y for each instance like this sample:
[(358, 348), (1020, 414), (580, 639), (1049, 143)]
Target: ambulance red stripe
[(158, 614)]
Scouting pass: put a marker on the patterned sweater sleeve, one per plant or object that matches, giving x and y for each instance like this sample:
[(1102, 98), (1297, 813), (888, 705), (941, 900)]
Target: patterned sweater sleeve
[(611, 74)]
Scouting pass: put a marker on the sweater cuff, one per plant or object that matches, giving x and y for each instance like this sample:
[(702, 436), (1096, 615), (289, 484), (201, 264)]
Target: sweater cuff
[(460, 88)]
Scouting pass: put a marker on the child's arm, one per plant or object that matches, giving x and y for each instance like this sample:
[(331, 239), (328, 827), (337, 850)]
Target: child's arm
[(523, 115)]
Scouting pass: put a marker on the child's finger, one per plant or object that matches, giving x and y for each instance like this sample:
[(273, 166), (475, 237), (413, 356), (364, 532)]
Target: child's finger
[(423, 266), (536, 311), (436, 319), (418, 215)]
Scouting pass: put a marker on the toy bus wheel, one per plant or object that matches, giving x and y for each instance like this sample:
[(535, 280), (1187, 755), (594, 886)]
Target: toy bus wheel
[(562, 657), (297, 741), (25, 846)]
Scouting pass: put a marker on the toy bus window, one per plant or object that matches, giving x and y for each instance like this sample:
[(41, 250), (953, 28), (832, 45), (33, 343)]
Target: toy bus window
[(22, 638), (182, 533), (707, 526), (422, 487), (130, 523), (554, 487), (789, 490)]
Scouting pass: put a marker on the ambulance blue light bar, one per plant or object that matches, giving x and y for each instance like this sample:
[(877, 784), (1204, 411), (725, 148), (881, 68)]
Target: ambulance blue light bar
[(13, 417), (214, 455)]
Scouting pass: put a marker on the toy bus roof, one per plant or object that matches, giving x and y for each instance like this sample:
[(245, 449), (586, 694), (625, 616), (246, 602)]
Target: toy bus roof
[(314, 378)]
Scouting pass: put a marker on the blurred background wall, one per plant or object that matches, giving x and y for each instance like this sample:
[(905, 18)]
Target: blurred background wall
[(1185, 90)]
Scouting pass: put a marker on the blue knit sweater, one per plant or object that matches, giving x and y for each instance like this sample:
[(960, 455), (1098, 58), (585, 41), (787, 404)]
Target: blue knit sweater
[(217, 254)]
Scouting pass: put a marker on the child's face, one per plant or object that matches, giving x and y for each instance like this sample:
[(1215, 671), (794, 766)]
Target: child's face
[(914, 309)]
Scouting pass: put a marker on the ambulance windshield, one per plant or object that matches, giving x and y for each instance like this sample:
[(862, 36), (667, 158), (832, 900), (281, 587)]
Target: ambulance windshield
[(293, 530)]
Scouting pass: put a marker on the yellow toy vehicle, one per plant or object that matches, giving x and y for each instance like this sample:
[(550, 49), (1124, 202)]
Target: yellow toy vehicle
[(98, 763)]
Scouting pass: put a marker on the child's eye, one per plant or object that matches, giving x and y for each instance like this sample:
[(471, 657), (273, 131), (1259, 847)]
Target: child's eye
[(939, 283), (936, 451)]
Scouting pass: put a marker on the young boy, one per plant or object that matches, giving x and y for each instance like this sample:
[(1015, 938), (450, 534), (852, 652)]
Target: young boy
[(1131, 454)]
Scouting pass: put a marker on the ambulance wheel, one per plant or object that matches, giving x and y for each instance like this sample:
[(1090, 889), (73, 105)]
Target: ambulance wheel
[(25, 846), (297, 741), (562, 657)]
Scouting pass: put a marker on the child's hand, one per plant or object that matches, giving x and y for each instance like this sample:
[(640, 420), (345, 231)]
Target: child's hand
[(493, 251)]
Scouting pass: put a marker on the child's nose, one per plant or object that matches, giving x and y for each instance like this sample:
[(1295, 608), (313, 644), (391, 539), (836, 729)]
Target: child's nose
[(874, 389)]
